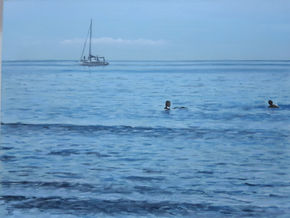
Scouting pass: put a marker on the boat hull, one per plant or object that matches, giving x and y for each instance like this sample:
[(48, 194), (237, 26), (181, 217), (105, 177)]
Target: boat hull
[(92, 64)]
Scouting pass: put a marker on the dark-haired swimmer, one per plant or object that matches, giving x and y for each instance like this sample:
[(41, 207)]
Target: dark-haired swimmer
[(271, 105), (167, 105)]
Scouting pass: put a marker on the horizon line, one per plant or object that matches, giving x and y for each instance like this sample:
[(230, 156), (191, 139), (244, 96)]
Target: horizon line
[(148, 60)]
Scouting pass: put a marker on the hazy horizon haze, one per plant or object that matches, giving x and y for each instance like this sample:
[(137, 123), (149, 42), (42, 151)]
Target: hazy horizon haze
[(147, 30)]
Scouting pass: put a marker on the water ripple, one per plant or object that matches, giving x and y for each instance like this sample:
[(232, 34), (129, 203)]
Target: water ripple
[(121, 206)]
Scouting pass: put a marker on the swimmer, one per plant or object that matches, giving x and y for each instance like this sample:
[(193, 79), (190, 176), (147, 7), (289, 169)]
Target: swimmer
[(167, 105), (271, 105)]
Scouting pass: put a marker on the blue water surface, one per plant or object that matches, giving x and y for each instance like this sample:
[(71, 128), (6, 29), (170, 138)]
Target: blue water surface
[(95, 141)]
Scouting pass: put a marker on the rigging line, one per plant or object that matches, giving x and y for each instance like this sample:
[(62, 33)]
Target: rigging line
[(85, 44)]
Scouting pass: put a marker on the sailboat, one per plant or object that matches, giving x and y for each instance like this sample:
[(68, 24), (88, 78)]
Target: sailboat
[(91, 60)]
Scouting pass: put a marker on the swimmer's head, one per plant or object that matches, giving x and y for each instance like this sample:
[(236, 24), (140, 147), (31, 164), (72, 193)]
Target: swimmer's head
[(167, 104), (270, 102)]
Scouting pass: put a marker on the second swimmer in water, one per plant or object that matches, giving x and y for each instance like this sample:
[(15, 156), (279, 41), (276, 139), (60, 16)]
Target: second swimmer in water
[(168, 104), (271, 105)]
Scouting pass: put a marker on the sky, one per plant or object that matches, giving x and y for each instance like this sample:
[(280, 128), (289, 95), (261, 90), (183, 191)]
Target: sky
[(147, 29)]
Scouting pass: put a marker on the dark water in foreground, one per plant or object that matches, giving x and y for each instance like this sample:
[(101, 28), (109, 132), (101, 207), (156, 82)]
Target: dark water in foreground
[(95, 142)]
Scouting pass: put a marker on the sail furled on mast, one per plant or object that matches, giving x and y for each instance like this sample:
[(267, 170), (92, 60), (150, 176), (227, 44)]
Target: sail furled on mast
[(90, 49), (85, 44)]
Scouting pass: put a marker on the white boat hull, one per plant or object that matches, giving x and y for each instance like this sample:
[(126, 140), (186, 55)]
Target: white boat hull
[(94, 63)]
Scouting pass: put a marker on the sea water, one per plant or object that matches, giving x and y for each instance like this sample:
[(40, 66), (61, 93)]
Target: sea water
[(82, 141)]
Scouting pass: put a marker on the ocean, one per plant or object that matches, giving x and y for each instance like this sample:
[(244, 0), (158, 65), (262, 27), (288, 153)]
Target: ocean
[(82, 141)]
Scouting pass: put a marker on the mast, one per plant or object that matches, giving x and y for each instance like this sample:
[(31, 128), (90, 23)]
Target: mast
[(90, 49), (1, 18)]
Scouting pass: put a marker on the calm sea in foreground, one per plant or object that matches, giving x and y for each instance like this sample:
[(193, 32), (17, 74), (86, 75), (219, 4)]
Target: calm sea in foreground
[(95, 141)]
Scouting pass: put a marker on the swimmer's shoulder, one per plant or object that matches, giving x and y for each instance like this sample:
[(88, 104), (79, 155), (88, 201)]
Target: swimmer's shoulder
[(273, 106)]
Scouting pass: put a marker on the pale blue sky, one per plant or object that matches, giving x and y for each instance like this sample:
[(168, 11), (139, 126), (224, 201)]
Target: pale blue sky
[(148, 29)]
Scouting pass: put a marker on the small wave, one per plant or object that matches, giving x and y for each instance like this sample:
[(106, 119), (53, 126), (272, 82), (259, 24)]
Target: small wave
[(189, 132), (268, 185), (84, 187), (65, 152), (133, 207), (77, 206), (6, 148), (8, 198), (284, 106), (205, 172), (277, 196), (7, 158), (260, 185), (143, 178), (69, 152)]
